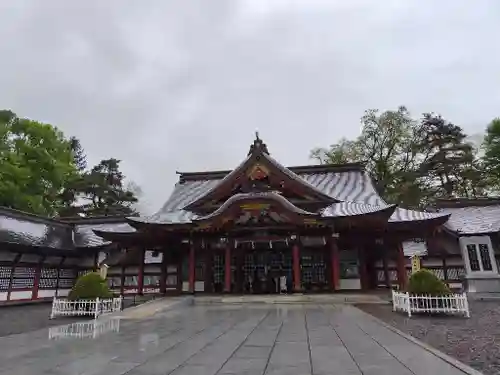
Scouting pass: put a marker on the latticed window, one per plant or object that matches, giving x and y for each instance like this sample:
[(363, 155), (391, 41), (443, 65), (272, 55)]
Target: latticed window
[(4, 284), (478, 251), (484, 252), (5, 272), (439, 272), (66, 283), (48, 283), (199, 270), (49, 273), (67, 273), (114, 282), (22, 283), (455, 273), (151, 280), (131, 281), (218, 266), (473, 259), (380, 276)]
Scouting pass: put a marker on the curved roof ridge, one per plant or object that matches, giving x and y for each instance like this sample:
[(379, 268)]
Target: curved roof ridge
[(249, 196)]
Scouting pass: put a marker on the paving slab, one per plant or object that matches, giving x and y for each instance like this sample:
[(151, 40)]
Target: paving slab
[(308, 339)]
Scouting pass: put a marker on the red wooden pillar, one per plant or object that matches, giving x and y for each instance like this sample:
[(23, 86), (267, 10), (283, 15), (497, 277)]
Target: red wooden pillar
[(36, 281), (227, 269), (140, 281), (297, 285), (335, 263), (363, 270), (163, 275), (401, 264), (208, 271), (122, 281), (59, 266), (387, 276), (192, 268), (13, 270)]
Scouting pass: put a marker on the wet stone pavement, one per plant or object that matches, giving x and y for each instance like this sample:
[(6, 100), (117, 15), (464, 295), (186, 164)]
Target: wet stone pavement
[(209, 340)]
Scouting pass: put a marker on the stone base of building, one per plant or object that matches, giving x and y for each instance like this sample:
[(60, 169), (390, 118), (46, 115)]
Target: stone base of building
[(483, 284)]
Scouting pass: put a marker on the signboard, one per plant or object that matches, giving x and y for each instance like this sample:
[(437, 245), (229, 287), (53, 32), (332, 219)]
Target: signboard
[(415, 263)]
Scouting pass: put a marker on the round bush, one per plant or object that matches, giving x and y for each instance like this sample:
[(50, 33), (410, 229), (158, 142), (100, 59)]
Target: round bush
[(90, 286), (426, 282)]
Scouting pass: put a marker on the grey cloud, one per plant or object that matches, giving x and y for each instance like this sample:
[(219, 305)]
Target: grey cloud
[(183, 85)]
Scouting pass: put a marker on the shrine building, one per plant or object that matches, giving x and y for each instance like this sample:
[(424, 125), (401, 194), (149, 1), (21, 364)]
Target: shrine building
[(260, 228)]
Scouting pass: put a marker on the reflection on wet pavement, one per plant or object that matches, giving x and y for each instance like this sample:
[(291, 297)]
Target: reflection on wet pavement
[(88, 329), (210, 340)]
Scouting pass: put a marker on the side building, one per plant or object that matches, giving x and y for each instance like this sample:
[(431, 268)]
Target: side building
[(259, 228)]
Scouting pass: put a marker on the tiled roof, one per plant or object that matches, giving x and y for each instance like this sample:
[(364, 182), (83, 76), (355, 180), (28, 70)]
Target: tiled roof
[(25, 229), (473, 219), (404, 215), (344, 209), (30, 230), (86, 237), (352, 186)]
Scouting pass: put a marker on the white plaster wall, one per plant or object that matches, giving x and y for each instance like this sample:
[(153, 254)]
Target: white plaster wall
[(63, 292), (199, 286), (21, 295), (350, 284), (3, 296), (46, 293)]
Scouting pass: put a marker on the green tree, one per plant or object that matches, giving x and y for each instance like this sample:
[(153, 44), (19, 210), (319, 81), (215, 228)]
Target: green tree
[(389, 148), (451, 168), (36, 162), (104, 190), (491, 157), (74, 185), (411, 161)]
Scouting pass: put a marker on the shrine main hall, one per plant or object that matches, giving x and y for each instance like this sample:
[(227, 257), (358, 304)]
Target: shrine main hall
[(260, 228), (266, 228)]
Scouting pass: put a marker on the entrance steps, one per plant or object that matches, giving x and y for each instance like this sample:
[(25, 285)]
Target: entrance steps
[(338, 298)]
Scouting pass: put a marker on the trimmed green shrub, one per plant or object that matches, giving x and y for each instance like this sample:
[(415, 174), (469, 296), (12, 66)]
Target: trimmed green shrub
[(90, 286), (426, 282)]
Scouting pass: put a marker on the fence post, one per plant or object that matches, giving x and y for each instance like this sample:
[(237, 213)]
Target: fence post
[(52, 313), (408, 304), (121, 302), (393, 301), (466, 305), (96, 312)]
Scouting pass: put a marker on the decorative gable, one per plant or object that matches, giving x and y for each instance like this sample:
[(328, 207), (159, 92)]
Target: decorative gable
[(260, 173)]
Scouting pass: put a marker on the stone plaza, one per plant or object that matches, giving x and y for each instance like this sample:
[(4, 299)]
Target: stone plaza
[(158, 339)]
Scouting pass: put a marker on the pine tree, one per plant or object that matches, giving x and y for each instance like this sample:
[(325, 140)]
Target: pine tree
[(104, 189)]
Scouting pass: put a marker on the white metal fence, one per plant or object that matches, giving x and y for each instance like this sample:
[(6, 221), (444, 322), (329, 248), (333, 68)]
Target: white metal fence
[(449, 304), (82, 330), (95, 307)]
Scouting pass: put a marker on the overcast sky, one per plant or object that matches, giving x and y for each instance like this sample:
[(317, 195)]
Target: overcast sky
[(183, 85)]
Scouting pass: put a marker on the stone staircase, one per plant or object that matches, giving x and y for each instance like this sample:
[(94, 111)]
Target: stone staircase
[(337, 298)]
